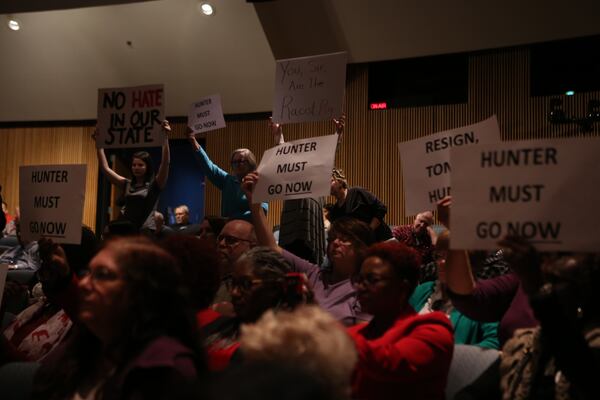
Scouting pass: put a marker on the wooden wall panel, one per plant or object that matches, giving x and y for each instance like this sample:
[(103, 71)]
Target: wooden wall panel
[(498, 84), (49, 145)]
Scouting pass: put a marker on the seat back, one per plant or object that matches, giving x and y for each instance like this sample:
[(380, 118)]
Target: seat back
[(468, 363)]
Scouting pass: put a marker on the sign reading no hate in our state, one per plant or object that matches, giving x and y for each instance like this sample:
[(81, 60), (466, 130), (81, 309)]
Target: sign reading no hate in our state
[(206, 115), (51, 201), (131, 117), (545, 191), (426, 162), (296, 170), (309, 88)]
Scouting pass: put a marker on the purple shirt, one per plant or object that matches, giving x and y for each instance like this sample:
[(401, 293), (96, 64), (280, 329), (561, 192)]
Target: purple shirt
[(338, 298), (501, 298)]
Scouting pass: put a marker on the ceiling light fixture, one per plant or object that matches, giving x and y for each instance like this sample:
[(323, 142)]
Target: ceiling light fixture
[(206, 9), (13, 24)]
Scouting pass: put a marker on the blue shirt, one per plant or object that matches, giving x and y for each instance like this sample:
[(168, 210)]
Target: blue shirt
[(234, 204)]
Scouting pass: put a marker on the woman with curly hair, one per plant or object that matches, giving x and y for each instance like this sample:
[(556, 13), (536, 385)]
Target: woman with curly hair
[(261, 280), (136, 335)]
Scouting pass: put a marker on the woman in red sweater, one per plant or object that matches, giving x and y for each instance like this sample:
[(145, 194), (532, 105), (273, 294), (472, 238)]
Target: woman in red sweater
[(400, 353)]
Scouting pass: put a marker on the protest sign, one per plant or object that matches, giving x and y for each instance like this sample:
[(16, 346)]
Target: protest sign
[(296, 170), (544, 190), (3, 273), (51, 201), (309, 88), (426, 162), (206, 115), (131, 117)]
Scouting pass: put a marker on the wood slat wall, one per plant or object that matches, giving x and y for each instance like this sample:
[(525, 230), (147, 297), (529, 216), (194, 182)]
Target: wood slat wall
[(498, 84), (48, 145)]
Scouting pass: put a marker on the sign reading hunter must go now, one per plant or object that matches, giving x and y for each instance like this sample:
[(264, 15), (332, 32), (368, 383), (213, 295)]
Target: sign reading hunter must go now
[(543, 190), (51, 202), (296, 170)]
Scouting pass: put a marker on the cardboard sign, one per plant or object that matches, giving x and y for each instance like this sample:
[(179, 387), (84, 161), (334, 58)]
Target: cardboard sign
[(309, 88), (426, 162), (542, 190), (206, 115), (3, 273), (131, 117), (51, 200), (296, 170)]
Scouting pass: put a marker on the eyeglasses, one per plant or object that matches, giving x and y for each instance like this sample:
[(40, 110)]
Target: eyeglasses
[(231, 240), (239, 162), (242, 284), (368, 279)]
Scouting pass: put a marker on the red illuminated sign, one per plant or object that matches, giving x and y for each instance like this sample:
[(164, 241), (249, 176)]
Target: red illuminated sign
[(378, 106)]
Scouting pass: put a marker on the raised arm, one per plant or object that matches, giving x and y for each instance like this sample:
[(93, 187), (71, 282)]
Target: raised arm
[(112, 176), (276, 131), (459, 275), (163, 169), (212, 171), (263, 233), (340, 123)]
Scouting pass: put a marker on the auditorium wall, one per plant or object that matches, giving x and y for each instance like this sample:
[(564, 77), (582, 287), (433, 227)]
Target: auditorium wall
[(498, 84)]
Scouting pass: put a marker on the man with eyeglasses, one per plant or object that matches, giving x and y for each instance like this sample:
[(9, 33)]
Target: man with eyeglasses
[(236, 238)]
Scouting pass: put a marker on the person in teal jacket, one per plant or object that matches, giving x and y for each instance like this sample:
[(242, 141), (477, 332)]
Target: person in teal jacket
[(234, 204), (431, 296), (466, 331)]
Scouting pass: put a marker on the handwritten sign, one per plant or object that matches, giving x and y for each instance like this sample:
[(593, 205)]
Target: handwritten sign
[(309, 88), (206, 115), (543, 190), (296, 170), (426, 162), (131, 117), (51, 200)]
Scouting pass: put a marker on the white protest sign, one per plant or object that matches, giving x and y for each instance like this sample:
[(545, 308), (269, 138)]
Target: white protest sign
[(51, 201), (3, 273), (426, 162), (296, 170), (206, 115), (309, 88), (131, 117), (544, 190)]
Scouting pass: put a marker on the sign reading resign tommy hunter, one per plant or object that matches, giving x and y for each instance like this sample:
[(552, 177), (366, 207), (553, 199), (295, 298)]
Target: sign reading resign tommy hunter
[(131, 117), (206, 115), (296, 170), (309, 88), (426, 162), (544, 190), (51, 201)]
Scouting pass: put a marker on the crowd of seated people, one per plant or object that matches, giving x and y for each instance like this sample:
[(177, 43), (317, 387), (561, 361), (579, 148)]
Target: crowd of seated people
[(221, 310)]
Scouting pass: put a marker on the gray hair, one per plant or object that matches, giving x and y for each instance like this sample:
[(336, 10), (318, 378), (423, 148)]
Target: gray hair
[(249, 157), (266, 262)]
